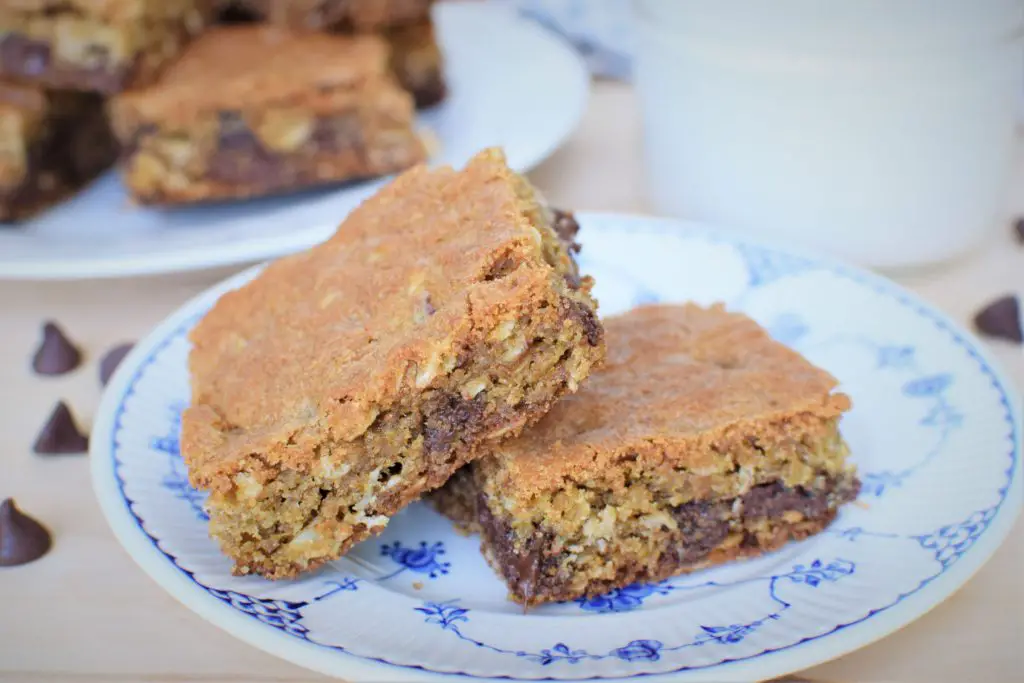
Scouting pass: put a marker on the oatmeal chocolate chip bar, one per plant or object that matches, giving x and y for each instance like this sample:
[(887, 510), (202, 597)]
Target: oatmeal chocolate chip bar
[(100, 45), (445, 314), (701, 441), (51, 144), (417, 62), (254, 110), (324, 15)]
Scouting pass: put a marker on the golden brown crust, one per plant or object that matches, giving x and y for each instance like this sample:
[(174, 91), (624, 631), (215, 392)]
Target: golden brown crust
[(252, 67), (679, 383)]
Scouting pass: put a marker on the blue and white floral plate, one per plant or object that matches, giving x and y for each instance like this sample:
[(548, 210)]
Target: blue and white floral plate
[(936, 433)]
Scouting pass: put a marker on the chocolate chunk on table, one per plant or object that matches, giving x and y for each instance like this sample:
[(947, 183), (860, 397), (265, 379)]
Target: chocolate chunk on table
[(56, 354), (1018, 229), (1001, 319), (60, 435), (111, 360), (22, 539)]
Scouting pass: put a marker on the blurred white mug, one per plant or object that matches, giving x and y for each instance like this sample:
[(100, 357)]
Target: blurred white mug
[(881, 131)]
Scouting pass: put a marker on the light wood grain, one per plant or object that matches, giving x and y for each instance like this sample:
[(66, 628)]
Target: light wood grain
[(87, 614)]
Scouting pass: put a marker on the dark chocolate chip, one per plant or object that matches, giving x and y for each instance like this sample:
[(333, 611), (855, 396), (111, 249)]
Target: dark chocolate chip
[(771, 501), (1001, 319), (60, 435), (56, 354), (22, 539), (450, 417), (112, 359), (567, 228), (502, 267), (24, 56), (1018, 228), (235, 13), (520, 565), (337, 134), (585, 316), (428, 93), (704, 524)]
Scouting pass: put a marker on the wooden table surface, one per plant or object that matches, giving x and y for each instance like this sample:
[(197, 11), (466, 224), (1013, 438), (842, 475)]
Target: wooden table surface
[(86, 612)]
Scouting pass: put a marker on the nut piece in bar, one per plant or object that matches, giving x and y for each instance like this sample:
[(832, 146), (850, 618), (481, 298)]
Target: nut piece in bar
[(96, 45), (701, 441), (324, 15), (51, 144), (445, 315), (253, 110), (417, 62)]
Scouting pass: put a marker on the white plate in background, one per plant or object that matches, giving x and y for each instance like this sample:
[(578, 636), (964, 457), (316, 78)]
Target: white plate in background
[(512, 84)]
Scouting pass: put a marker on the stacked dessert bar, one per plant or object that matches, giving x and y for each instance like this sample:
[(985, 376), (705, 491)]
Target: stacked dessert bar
[(309, 93), (444, 316), (444, 341)]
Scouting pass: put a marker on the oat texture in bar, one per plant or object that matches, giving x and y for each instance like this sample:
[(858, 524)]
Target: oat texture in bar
[(253, 110), (97, 45), (445, 315), (701, 441), (51, 144)]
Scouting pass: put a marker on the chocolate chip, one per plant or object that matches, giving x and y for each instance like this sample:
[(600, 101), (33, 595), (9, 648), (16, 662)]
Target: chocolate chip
[(22, 539), (704, 524), (60, 435), (521, 564), (111, 359), (585, 316), (567, 228), (1018, 228), (771, 501), (338, 134), (429, 92), (451, 417), (501, 268), (56, 354), (24, 56), (1001, 319)]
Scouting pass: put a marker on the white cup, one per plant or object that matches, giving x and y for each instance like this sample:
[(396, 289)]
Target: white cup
[(881, 131)]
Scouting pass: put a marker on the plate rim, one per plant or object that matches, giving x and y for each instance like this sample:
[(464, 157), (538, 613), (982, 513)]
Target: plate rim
[(841, 640), (182, 259)]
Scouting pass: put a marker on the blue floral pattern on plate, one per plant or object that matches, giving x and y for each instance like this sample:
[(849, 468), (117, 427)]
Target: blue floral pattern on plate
[(923, 394)]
